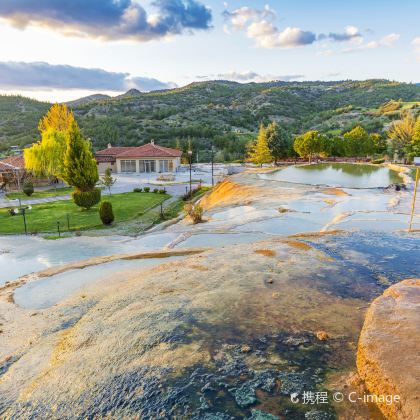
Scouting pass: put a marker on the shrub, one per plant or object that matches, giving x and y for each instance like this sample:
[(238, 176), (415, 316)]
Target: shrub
[(378, 161), (195, 211), (28, 188), (187, 195), (155, 190), (146, 189), (105, 213), (138, 190), (162, 191), (87, 199)]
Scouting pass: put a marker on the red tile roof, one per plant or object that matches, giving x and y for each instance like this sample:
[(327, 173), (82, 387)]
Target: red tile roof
[(147, 150), (112, 151), (12, 163)]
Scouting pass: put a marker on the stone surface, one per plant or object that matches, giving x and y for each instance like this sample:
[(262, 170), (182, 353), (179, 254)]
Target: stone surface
[(388, 356)]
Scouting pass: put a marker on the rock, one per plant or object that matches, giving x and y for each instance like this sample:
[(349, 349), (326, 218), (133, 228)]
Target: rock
[(245, 349), (322, 335), (388, 357)]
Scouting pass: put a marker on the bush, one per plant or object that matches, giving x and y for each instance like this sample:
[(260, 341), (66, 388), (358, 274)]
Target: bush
[(187, 195), (28, 188), (87, 199), (147, 189), (162, 191), (378, 161), (155, 190), (105, 213), (138, 190), (195, 211)]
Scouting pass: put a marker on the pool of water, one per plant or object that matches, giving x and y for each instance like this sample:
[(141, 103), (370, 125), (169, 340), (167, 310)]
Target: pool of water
[(345, 175), (43, 293), (220, 239), (21, 255)]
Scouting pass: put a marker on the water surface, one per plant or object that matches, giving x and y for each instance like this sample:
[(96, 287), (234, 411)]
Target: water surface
[(345, 175), (43, 293)]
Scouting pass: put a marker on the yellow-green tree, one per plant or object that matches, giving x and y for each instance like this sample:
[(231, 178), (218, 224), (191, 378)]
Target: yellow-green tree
[(259, 151), (401, 133), (45, 158), (309, 144), (357, 142), (414, 148), (58, 118)]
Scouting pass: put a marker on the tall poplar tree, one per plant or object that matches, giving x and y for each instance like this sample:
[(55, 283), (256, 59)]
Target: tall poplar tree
[(45, 158)]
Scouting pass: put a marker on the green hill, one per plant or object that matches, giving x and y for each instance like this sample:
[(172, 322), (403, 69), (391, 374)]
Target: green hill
[(225, 113)]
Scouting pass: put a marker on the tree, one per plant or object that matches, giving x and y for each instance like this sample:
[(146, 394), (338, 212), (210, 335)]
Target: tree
[(107, 180), (379, 143), (308, 144), (58, 118), (105, 213), (45, 158), (414, 148), (337, 146), (401, 133), (357, 142), (278, 141), (79, 166), (259, 152)]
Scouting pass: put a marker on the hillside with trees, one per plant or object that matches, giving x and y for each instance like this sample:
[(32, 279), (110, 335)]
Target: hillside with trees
[(226, 114)]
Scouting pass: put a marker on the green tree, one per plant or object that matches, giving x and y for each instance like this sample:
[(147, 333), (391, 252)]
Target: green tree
[(357, 142), (379, 143), (107, 180), (308, 144), (337, 146), (279, 141), (259, 152), (79, 166)]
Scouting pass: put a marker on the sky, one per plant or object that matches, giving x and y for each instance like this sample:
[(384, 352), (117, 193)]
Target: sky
[(59, 50)]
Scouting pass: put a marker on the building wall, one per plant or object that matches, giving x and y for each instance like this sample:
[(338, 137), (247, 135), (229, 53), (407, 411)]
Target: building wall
[(176, 163), (102, 166)]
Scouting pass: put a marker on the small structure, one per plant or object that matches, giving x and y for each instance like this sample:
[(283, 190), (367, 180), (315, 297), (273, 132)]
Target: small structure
[(142, 159), (12, 172)]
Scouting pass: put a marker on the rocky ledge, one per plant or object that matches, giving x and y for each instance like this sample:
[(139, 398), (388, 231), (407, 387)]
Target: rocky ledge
[(388, 359)]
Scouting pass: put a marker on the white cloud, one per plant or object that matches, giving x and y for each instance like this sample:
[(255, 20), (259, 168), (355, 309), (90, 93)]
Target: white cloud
[(387, 41), (259, 25), (416, 44), (251, 76)]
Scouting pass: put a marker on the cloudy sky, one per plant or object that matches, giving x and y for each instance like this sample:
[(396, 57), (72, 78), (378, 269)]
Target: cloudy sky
[(62, 49)]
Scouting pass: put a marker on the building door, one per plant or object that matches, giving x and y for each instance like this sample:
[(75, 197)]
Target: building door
[(149, 166)]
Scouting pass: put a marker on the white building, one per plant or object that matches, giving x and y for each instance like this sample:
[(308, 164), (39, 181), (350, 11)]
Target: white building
[(142, 159)]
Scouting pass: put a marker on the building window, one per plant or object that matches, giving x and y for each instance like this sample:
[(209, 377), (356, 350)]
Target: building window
[(128, 166), (150, 165), (164, 166)]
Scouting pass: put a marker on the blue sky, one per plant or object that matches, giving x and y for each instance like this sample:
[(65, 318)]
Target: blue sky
[(60, 50)]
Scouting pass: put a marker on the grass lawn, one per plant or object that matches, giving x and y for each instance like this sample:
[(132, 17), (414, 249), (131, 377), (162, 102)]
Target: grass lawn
[(40, 193), (44, 217)]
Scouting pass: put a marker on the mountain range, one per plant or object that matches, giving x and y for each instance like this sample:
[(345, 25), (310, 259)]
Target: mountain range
[(224, 113)]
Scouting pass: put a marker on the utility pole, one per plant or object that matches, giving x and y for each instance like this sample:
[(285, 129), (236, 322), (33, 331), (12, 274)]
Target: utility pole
[(190, 156), (212, 165)]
